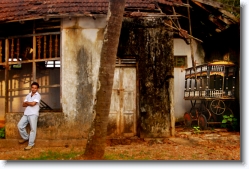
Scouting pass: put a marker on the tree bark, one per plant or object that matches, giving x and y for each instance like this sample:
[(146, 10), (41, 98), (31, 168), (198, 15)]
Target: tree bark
[(96, 144)]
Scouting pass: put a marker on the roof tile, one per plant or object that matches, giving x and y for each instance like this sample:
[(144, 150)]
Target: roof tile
[(24, 9)]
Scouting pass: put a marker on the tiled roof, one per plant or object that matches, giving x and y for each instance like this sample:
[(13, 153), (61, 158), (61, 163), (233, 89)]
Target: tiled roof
[(32, 9)]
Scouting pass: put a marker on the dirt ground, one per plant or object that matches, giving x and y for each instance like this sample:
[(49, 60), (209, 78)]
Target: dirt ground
[(215, 144)]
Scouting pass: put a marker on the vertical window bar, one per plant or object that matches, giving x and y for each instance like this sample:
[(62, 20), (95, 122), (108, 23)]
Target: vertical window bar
[(50, 47), (39, 47), (45, 43), (18, 49), (226, 82), (1, 53), (214, 82), (56, 45), (12, 49)]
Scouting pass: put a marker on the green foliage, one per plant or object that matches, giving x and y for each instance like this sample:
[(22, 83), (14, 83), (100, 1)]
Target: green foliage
[(230, 4), (229, 121), (50, 155), (2, 132), (196, 129)]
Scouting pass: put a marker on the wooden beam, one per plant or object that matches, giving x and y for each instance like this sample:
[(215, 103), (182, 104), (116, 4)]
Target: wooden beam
[(231, 16), (216, 22), (202, 6), (216, 4), (30, 61), (224, 19), (28, 88), (220, 17), (189, 36)]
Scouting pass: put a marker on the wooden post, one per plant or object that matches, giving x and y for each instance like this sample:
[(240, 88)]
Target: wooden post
[(191, 42), (45, 44), (50, 47), (34, 56), (1, 53), (6, 75), (18, 49), (56, 45)]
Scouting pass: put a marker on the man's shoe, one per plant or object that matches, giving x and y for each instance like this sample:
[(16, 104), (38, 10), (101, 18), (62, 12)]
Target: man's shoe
[(28, 148), (22, 141)]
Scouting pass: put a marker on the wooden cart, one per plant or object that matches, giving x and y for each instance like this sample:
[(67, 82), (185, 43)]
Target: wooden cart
[(210, 90)]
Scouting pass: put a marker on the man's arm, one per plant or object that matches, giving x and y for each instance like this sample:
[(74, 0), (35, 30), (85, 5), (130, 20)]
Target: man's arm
[(25, 104)]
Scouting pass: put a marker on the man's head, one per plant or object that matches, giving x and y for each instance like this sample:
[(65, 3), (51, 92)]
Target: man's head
[(34, 87)]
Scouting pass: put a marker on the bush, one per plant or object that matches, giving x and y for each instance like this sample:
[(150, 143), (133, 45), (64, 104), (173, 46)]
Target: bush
[(229, 122), (2, 132)]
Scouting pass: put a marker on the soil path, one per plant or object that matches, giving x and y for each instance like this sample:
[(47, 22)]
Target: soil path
[(215, 144)]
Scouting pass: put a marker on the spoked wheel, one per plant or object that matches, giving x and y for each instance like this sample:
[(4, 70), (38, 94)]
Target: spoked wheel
[(218, 107), (187, 119), (211, 119), (202, 122)]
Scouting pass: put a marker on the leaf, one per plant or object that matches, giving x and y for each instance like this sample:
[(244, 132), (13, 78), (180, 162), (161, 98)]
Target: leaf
[(224, 121), (230, 119), (225, 116), (231, 115)]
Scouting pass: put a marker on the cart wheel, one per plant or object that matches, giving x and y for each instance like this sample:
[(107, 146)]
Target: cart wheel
[(187, 119), (202, 122), (218, 107), (211, 119)]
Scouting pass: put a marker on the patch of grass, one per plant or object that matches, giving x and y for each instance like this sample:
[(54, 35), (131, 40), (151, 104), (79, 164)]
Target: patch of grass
[(126, 156), (180, 157), (195, 156), (120, 156), (110, 157), (50, 155)]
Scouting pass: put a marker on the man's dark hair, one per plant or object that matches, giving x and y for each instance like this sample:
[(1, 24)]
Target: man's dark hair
[(35, 83)]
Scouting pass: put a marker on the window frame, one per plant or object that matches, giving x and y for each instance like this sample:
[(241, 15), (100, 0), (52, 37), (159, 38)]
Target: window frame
[(7, 59), (185, 61)]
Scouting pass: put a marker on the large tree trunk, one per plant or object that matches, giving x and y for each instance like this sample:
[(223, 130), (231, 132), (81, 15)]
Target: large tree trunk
[(96, 144)]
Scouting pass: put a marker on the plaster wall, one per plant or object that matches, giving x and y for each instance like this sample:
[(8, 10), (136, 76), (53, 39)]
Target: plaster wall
[(181, 48), (81, 46)]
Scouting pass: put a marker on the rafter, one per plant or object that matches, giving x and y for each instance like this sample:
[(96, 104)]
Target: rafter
[(218, 5), (220, 17)]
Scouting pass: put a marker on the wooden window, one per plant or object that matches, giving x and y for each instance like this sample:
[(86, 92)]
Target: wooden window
[(180, 61), (29, 56)]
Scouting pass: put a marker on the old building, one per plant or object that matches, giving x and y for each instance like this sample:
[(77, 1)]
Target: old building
[(58, 43)]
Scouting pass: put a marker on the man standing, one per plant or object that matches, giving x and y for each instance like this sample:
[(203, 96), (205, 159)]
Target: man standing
[(31, 113)]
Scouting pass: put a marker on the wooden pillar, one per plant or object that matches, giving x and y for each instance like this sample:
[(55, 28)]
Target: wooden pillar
[(1, 53), (34, 56), (6, 75)]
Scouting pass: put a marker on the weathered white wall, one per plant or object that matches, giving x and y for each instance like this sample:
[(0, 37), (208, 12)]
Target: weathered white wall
[(181, 48), (81, 43)]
